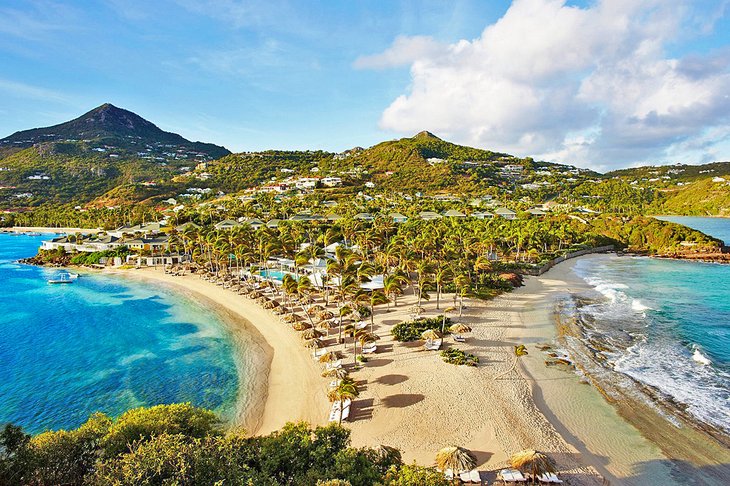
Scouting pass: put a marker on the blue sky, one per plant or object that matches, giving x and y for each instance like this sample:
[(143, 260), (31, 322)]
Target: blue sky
[(599, 84)]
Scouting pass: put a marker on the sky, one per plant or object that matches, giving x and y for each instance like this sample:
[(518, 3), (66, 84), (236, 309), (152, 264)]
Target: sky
[(601, 84)]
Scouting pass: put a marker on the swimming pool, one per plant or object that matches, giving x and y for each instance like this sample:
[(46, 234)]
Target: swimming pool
[(276, 275)]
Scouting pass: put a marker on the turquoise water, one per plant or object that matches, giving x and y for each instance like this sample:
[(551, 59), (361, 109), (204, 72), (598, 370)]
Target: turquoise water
[(273, 274), (717, 227), (668, 324), (102, 344)]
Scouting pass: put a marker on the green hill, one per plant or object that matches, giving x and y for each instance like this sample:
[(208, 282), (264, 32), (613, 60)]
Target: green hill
[(115, 127), (80, 160)]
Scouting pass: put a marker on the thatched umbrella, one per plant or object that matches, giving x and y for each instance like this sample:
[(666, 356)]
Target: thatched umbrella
[(313, 343), (455, 458), (315, 309), (532, 462), (290, 318), (311, 333), (325, 325), (325, 315), (338, 373), (271, 304), (301, 326), (329, 357), (387, 454), (431, 334), (459, 328), (262, 300)]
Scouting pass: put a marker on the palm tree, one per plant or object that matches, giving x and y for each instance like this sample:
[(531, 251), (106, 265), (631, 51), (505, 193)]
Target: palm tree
[(441, 276), (519, 351), (344, 391), (393, 286)]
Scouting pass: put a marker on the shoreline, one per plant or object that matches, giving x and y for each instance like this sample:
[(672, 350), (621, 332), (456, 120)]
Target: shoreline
[(47, 229), (639, 443), (549, 408), (287, 386)]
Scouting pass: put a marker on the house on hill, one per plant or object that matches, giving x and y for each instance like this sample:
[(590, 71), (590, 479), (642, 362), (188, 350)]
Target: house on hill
[(453, 213), (429, 215), (398, 217), (227, 224), (505, 213)]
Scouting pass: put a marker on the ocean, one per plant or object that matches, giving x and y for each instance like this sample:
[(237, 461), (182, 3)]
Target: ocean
[(103, 343), (666, 324)]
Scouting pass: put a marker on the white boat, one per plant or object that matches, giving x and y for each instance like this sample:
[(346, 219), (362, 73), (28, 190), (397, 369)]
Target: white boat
[(61, 278)]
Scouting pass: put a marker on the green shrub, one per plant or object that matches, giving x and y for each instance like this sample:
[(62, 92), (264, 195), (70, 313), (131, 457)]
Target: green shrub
[(459, 357), (412, 330)]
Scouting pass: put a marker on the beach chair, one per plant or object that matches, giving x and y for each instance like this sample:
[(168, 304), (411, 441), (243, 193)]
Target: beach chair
[(459, 339), (449, 475), (475, 476), (549, 478), (361, 325), (511, 476), (464, 476), (433, 344), (369, 348), (335, 365)]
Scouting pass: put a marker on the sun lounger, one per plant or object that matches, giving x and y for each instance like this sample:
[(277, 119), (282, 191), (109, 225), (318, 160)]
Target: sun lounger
[(475, 476), (459, 339), (334, 365), (361, 325), (335, 412), (549, 478), (449, 475), (464, 476), (433, 344), (369, 348), (511, 476)]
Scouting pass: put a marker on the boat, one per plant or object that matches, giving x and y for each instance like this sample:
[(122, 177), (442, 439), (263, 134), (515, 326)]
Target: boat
[(32, 233), (73, 276), (61, 278)]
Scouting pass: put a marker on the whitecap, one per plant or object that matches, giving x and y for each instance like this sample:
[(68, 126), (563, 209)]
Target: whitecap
[(701, 358)]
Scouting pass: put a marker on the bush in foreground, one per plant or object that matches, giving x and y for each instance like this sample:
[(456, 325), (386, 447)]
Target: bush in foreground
[(184, 445)]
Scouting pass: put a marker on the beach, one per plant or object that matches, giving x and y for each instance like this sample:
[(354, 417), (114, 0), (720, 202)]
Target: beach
[(412, 400)]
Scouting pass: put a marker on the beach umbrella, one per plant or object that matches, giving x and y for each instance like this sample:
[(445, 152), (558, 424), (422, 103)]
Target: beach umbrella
[(290, 318), (271, 304), (300, 326), (338, 373), (329, 357), (387, 455), (311, 334), (325, 325), (532, 462), (430, 334), (313, 343), (459, 328), (455, 458), (315, 309), (262, 300), (325, 315)]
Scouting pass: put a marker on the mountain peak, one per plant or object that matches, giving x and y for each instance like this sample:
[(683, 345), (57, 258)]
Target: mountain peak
[(426, 135), (112, 125)]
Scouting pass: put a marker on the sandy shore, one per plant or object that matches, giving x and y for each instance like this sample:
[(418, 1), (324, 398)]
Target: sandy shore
[(289, 386), (412, 400)]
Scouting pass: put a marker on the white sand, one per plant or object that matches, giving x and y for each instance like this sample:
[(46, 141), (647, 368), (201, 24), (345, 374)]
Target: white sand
[(412, 400)]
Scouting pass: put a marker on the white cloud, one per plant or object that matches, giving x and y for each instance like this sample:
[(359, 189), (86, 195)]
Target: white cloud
[(589, 86), (404, 51)]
